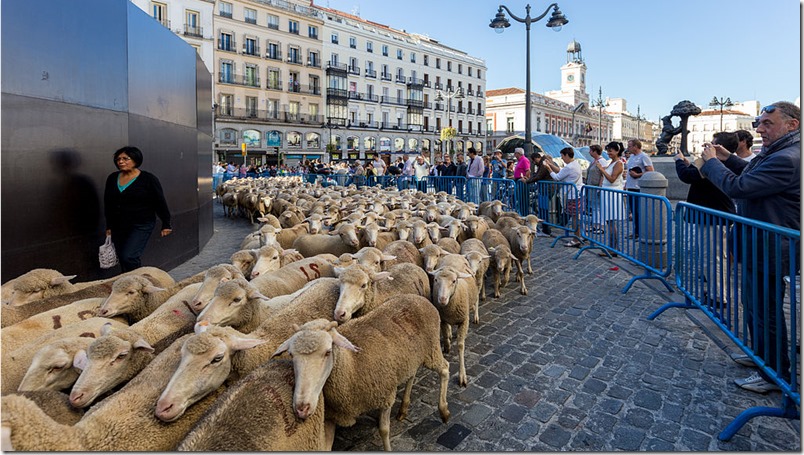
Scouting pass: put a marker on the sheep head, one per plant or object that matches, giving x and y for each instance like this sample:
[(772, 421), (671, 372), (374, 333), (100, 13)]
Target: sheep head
[(430, 256), (128, 295), (355, 285), (445, 283), (206, 362), (38, 284), (52, 365), (268, 260), (232, 304), (216, 275)]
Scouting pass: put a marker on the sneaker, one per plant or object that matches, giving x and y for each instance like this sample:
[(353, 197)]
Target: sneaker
[(573, 243), (755, 383), (541, 234), (743, 360)]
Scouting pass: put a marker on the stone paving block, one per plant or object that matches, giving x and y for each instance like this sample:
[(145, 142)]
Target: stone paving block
[(555, 436), (611, 406), (586, 441), (669, 431), (454, 436), (527, 429), (627, 438), (579, 372), (554, 371), (514, 413), (571, 418), (639, 418), (527, 398), (594, 386), (695, 440), (620, 392), (475, 414), (543, 411), (648, 399), (658, 445)]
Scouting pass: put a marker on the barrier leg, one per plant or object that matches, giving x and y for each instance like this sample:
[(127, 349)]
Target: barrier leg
[(788, 411), (667, 306), (590, 247), (645, 276)]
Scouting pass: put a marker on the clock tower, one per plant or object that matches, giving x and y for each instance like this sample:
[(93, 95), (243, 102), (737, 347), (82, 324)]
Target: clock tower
[(573, 78)]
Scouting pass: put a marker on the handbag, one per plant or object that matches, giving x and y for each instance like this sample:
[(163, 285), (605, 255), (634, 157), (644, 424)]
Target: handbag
[(107, 255)]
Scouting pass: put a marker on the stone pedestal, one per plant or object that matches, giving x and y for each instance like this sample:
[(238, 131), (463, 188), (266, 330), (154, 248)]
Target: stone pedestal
[(653, 217)]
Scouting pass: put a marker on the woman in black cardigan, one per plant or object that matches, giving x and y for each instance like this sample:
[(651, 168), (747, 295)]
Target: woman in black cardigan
[(131, 200)]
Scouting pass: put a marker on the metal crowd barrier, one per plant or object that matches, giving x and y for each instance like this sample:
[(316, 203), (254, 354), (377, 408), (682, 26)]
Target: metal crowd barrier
[(449, 184), (509, 192), (733, 269), (605, 225), (554, 210)]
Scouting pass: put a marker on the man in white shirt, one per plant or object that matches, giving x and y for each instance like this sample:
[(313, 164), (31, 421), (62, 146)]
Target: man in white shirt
[(570, 173), (637, 165), (745, 141), (379, 165), (408, 161), (475, 164)]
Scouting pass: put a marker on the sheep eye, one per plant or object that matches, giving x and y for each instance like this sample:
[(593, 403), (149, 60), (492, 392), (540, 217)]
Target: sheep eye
[(238, 299), (328, 353), (122, 355), (130, 293), (217, 358), (363, 286), (56, 368)]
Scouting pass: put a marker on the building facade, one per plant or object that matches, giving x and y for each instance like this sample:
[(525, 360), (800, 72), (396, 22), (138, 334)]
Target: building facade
[(382, 90), (739, 116)]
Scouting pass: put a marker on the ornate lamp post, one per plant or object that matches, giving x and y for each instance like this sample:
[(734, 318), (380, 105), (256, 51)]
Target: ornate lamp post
[(448, 94), (600, 103), (500, 23), (639, 119), (720, 102), (575, 111)]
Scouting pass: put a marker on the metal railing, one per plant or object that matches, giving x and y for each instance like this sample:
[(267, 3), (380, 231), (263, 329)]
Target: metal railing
[(734, 270)]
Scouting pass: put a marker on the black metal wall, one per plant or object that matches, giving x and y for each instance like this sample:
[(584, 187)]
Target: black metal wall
[(79, 81)]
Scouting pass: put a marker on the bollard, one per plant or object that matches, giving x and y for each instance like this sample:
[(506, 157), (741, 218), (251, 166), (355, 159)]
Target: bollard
[(653, 220)]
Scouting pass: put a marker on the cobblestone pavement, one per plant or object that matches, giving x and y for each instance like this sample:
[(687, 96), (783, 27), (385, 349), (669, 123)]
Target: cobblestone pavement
[(574, 365)]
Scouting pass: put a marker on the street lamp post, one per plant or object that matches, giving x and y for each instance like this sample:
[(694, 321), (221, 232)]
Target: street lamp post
[(500, 23), (720, 102), (448, 94), (575, 111), (600, 103), (639, 119)]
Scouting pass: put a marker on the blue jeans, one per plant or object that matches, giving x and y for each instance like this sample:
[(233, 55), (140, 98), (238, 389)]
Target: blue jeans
[(129, 244)]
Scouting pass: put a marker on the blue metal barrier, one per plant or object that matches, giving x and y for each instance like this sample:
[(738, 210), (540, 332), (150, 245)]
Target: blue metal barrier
[(217, 179), (734, 270), (605, 226), (449, 184), (488, 189), (559, 206)]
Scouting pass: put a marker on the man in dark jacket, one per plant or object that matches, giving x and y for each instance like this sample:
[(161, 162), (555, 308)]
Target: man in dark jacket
[(702, 191), (768, 188)]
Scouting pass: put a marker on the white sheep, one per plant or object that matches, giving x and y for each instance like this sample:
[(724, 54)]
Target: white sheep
[(362, 289), (430, 255), (52, 365), (501, 258), (491, 209), (256, 415), (35, 285), (343, 239), (114, 358), (394, 341), (295, 275), (479, 259), (369, 257), (286, 237), (449, 244), (455, 295), (55, 404), (271, 258), (403, 251), (124, 421), (419, 235), (236, 303), (520, 239)]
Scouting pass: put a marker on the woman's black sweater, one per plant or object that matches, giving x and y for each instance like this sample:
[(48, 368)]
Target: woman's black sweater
[(137, 204)]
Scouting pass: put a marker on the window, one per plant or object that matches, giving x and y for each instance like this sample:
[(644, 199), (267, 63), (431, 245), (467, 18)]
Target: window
[(315, 86), (159, 12), (250, 15), (225, 10), (469, 70), (272, 110), (226, 73), (191, 27), (426, 60), (293, 26), (226, 42), (251, 106), (438, 63), (385, 50), (251, 76), (478, 74), (449, 66), (334, 38), (274, 81), (227, 104), (273, 52), (273, 22), (312, 31), (353, 42), (509, 128), (293, 82), (294, 55), (460, 68), (412, 57), (399, 54), (369, 46), (250, 46), (314, 111), (313, 60)]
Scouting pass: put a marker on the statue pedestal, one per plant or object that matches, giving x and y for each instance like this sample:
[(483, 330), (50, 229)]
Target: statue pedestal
[(653, 216)]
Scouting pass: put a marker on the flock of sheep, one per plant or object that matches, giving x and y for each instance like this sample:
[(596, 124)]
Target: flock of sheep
[(333, 303)]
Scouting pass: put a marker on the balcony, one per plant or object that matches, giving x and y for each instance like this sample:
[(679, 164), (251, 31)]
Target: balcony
[(313, 90), (392, 126), (415, 103), (227, 45), (194, 31), (371, 73), (337, 93), (273, 26), (251, 50), (480, 93), (393, 100), (336, 68), (415, 81), (251, 20), (274, 84), (354, 70), (238, 79), (385, 76), (227, 14), (363, 97), (294, 59), (438, 86), (401, 79), (273, 54), (470, 92), (294, 87), (426, 83), (314, 63)]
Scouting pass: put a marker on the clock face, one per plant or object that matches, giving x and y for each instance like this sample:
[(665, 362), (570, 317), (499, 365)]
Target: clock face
[(570, 78)]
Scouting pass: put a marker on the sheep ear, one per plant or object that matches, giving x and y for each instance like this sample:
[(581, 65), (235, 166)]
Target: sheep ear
[(241, 344), (143, 345), (485, 256), (493, 250), (201, 327), (289, 251), (338, 270), (254, 293), (282, 347), (340, 340), (382, 276), (513, 257), (61, 279), (465, 275), (80, 359), (150, 289), (388, 257), (106, 329)]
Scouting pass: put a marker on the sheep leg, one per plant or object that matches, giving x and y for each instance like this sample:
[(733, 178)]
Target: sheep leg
[(507, 275), (440, 365), (530, 267), (462, 330), (329, 434), (496, 283), (520, 276), (385, 428), (446, 333), (477, 315), (403, 408), (481, 285)]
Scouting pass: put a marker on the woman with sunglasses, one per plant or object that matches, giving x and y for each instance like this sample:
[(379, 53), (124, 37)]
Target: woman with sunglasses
[(132, 199)]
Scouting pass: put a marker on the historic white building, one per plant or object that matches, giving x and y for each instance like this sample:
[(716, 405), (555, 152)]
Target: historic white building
[(739, 116)]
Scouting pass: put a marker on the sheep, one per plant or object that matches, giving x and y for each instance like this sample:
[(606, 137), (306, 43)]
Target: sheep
[(491, 209), (124, 421), (433, 231), (12, 315), (430, 256), (403, 251), (15, 363), (370, 235), (271, 220), (36, 284), (341, 240), (455, 229), (238, 304), (290, 218), (256, 415), (501, 257), (362, 290), (251, 241), (52, 365), (394, 341), (479, 259), (475, 226), (295, 275), (449, 244), (286, 237), (520, 239), (109, 361), (55, 404), (35, 326), (457, 262), (268, 259), (371, 258), (419, 234), (455, 295), (134, 296), (229, 201), (214, 276)]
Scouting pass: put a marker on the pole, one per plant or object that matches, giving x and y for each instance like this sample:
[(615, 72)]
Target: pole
[(528, 145), (721, 117)]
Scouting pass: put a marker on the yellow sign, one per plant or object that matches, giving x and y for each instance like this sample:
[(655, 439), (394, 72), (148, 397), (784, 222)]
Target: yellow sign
[(243, 147)]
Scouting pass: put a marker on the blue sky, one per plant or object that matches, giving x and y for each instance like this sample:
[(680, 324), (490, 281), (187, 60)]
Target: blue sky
[(654, 53)]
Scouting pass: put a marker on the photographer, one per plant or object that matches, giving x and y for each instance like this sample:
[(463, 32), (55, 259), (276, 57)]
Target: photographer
[(637, 165)]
